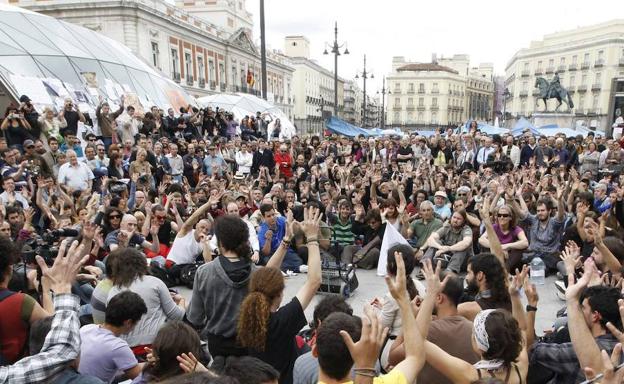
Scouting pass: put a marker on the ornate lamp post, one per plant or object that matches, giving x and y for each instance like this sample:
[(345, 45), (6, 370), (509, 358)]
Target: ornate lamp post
[(506, 95), (365, 75), (335, 49), (383, 92)]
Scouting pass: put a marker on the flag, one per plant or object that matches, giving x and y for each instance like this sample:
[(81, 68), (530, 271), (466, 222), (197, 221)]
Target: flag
[(250, 79), (391, 238)]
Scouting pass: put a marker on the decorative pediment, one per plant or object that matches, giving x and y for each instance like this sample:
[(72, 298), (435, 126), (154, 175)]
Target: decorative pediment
[(242, 39)]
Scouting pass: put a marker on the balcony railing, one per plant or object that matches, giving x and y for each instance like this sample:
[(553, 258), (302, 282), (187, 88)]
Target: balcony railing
[(411, 91), (596, 87), (621, 62), (421, 107), (396, 107), (435, 91), (539, 71), (599, 63), (593, 111), (550, 69), (435, 107), (536, 92), (585, 65), (410, 107), (572, 67), (571, 89), (561, 68), (525, 73), (189, 80), (202, 83), (213, 85), (421, 91), (524, 93), (582, 88), (397, 91), (176, 77)]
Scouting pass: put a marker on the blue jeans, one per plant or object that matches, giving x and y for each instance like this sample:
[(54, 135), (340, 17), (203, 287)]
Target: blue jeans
[(107, 142), (291, 261)]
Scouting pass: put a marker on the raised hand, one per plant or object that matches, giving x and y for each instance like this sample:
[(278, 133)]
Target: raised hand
[(311, 222), (518, 280), (574, 289), (571, 257), (189, 363), (366, 351), (432, 277), (66, 266), (398, 285)]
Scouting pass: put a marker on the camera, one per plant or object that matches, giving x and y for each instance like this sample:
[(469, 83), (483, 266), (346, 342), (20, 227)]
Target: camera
[(44, 245)]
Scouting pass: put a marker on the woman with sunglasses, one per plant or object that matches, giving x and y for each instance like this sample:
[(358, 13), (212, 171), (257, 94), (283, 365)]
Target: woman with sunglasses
[(512, 237)]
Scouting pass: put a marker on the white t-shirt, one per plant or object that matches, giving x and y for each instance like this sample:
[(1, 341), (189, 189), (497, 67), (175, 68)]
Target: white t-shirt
[(185, 249), (77, 177)]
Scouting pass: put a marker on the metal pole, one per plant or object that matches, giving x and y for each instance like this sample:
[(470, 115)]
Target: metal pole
[(383, 101), (336, 53), (263, 51), (364, 107)]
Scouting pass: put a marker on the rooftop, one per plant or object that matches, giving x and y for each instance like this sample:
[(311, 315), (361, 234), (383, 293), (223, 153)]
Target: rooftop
[(431, 67)]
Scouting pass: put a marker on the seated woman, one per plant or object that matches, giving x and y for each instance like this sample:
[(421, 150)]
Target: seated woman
[(510, 235), (130, 274), (269, 331)]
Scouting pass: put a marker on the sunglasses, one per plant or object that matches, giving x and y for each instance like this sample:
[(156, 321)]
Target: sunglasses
[(461, 194), (503, 215), (161, 217), (114, 217)]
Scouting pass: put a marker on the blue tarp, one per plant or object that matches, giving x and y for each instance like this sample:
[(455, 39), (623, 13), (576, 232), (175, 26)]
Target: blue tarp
[(523, 124), (569, 132), (341, 127)]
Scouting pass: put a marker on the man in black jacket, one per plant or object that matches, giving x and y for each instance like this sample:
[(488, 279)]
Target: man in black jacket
[(263, 156)]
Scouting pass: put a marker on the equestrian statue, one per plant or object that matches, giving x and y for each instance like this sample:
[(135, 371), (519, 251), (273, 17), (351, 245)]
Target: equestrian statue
[(552, 90)]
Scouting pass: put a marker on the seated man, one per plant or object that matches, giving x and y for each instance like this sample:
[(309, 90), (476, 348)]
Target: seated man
[(367, 255), (420, 229), (103, 353), (452, 243), (128, 236), (270, 235)]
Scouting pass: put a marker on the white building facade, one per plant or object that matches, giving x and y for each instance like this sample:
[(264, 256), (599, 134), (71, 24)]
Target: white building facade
[(353, 98), (205, 56), (587, 60), (313, 87)]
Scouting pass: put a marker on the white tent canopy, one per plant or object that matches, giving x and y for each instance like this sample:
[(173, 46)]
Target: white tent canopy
[(243, 104)]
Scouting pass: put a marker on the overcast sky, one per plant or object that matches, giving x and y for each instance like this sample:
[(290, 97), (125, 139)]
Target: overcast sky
[(489, 31)]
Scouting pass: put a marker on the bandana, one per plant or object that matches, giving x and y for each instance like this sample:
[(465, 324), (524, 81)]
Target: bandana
[(481, 337)]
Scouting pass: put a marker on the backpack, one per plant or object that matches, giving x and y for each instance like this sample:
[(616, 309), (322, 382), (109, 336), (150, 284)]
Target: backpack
[(5, 293), (187, 273), (161, 273)]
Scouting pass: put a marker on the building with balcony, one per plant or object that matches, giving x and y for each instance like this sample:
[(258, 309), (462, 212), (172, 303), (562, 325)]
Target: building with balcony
[(353, 97), (445, 92), (313, 87), (586, 59), (206, 47)]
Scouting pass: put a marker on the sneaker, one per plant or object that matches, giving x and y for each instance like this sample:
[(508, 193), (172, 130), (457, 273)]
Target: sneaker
[(284, 274), (560, 289), (291, 273), (303, 268)]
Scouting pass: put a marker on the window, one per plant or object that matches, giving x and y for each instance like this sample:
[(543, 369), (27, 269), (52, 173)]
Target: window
[(155, 54), (434, 101), (200, 68), (584, 80), (396, 117), (434, 118), (572, 80), (410, 117), (551, 62), (188, 65), (525, 85), (581, 102), (175, 62), (411, 87), (598, 78), (397, 87), (421, 101), (222, 73), (410, 101), (397, 101), (586, 58), (574, 59), (211, 70), (600, 55), (421, 87), (243, 78), (562, 61), (539, 64), (435, 87), (595, 102), (234, 71), (526, 66)]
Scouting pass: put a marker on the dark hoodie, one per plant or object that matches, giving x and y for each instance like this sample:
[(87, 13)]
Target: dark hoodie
[(219, 290)]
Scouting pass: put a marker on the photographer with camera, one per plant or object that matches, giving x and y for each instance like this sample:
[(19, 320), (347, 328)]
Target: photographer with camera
[(69, 116), (15, 127)]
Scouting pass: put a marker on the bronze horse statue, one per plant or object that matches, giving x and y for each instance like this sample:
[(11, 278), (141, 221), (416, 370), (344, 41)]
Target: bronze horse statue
[(547, 92)]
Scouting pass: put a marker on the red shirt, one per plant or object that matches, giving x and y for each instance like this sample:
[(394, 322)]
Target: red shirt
[(285, 163)]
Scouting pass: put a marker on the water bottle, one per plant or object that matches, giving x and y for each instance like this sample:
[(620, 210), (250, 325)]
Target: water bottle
[(538, 271)]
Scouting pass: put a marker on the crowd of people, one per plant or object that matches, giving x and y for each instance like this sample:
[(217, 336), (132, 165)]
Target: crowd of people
[(99, 225)]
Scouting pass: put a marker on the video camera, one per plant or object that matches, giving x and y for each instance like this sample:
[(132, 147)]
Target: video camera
[(44, 245)]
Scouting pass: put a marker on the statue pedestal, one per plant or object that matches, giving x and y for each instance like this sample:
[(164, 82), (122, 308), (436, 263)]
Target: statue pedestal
[(562, 119)]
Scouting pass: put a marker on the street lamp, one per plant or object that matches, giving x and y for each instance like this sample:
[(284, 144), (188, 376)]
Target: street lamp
[(383, 92), (365, 76), (506, 95), (335, 49)]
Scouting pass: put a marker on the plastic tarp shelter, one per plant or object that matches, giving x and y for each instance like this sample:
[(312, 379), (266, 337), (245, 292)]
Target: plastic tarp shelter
[(486, 128), (523, 124), (425, 133), (569, 132), (341, 127), (243, 104)]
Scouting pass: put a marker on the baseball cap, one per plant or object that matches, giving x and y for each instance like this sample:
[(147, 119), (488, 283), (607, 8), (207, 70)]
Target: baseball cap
[(441, 194), (29, 143), (24, 99)]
